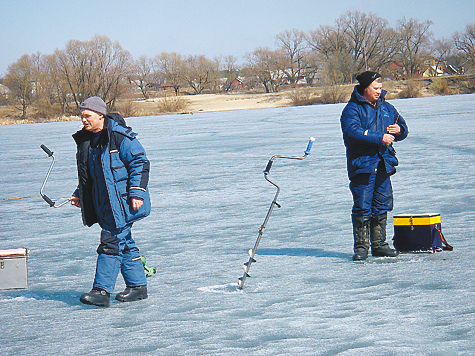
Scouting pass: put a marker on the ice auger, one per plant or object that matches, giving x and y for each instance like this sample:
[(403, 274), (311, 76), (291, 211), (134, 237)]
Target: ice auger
[(246, 266)]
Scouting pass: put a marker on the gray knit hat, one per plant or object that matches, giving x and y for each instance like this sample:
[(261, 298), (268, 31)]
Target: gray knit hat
[(94, 103)]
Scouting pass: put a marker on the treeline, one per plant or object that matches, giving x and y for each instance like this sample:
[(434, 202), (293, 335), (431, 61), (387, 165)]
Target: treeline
[(56, 83)]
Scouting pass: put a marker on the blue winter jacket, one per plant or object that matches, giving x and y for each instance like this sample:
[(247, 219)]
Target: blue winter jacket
[(363, 127), (126, 173)]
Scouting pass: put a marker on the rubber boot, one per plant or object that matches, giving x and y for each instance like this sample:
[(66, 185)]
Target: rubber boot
[(98, 297), (379, 246), (131, 294), (361, 237)]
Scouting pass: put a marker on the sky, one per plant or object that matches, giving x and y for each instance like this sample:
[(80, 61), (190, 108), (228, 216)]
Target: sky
[(211, 28)]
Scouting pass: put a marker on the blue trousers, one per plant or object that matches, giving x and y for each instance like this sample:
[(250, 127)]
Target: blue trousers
[(117, 252), (372, 193)]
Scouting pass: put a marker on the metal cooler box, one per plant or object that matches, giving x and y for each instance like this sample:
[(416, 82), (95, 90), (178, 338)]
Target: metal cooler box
[(14, 269), (419, 233)]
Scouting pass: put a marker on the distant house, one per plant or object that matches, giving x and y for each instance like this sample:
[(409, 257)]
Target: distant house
[(4, 91), (396, 70), (237, 83), (435, 67), (432, 71), (167, 85), (431, 67), (455, 71)]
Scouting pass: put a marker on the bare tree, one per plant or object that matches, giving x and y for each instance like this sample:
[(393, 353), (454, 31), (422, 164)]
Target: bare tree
[(113, 68), (170, 66), (293, 45), (310, 66), (357, 42), (97, 67), (327, 40), (20, 80), (442, 49), (265, 65), (143, 75), (370, 41), (200, 73), (414, 40), (465, 43), (331, 49), (54, 84), (230, 71), (47, 98)]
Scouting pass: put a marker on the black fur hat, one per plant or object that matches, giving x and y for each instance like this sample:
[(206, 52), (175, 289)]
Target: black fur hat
[(365, 79)]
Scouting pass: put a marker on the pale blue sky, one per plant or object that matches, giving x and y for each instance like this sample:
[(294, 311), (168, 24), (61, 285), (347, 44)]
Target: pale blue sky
[(210, 27)]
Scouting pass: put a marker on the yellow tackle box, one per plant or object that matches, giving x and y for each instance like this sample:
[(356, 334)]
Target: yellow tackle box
[(419, 233)]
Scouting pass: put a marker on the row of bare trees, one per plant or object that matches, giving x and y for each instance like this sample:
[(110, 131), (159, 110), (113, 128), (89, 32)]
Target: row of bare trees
[(356, 42), (66, 77), (329, 55)]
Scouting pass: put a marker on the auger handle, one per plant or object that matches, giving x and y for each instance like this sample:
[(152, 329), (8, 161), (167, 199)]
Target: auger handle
[(309, 146), (268, 167), (48, 200), (47, 150)]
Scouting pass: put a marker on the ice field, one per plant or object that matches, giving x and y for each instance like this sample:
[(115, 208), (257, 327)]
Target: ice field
[(209, 197)]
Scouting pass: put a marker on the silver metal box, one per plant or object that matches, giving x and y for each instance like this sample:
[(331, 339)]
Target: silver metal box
[(13, 269)]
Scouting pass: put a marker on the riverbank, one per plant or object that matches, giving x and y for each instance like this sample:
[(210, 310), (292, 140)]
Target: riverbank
[(165, 103), (190, 104)]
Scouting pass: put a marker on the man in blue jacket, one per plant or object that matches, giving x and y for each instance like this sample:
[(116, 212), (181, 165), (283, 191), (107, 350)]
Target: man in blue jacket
[(113, 173), (370, 125)]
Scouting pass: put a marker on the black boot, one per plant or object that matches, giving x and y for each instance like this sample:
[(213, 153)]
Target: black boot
[(379, 246), (96, 296), (361, 237), (131, 294)]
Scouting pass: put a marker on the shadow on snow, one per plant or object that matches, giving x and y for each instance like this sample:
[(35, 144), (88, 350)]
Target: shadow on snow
[(311, 252)]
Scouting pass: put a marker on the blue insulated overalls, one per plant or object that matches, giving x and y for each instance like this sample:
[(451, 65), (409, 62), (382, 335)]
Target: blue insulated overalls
[(370, 164), (112, 168)]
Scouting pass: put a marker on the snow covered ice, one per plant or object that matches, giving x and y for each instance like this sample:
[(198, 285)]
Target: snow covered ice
[(305, 296)]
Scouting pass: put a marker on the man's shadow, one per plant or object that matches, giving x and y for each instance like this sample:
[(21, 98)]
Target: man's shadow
[(70, 298)]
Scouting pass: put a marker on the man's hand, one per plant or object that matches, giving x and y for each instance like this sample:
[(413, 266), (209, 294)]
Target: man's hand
[(75, 201), (394, 129), (136, 203), (388, 139)]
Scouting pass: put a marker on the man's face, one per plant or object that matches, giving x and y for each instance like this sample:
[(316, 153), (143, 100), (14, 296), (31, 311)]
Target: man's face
[(373, 91), (92, 121)]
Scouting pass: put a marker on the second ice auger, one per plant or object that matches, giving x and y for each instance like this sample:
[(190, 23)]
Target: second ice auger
[(246, 266)]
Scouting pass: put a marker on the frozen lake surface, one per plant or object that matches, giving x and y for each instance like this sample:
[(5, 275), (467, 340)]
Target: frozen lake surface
[(305, 297)]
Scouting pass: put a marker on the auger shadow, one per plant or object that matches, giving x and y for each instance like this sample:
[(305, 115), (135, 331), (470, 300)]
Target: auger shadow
[(307, 252)]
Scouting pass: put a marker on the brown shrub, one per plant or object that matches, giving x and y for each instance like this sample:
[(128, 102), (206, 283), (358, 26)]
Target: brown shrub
[(171, 105), (440, 86), (411, 90)]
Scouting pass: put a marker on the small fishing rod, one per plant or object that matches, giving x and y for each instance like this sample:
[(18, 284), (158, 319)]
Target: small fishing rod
[(246, 266), (18, 198)]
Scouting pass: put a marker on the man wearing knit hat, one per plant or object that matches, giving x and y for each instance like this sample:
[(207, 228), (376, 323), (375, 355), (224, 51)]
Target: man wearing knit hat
[(370, 125), (113, 173)]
